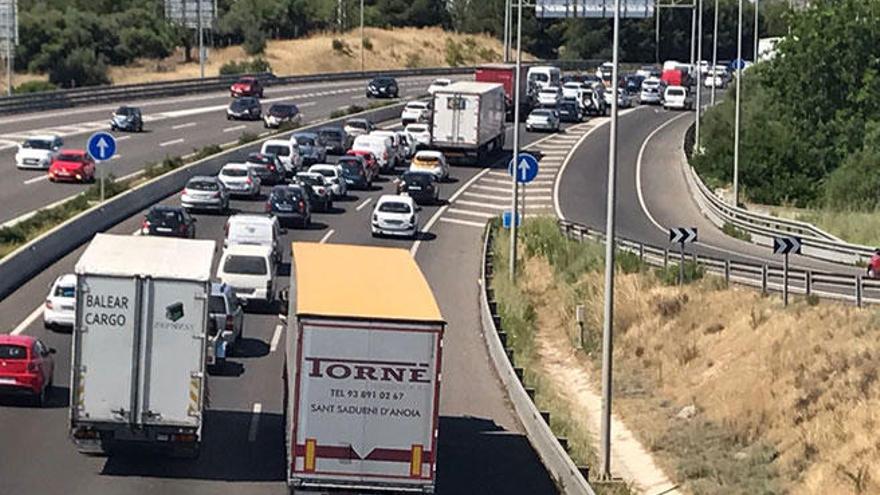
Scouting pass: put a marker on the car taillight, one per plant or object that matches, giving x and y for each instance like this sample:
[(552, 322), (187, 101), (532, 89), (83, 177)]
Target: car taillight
[(321, 190), (145, 225), (249, 180), (216, 194), (302, 205), (271, 167), (183, 193), (230, 322), (48, 304), (268, 207)]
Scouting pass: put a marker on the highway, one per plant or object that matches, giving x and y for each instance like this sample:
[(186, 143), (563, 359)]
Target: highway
[(173, 127), (481, 448)]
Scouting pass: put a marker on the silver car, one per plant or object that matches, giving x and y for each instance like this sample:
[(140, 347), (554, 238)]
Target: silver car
[(225, 322), (205, 193), (543, 119)]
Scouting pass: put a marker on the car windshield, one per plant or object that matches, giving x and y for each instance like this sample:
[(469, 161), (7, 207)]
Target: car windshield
[(394, 207), (259, 158), (277, 149), (37, 144), (202, 185), (69, 157), (280, 110), (68, 291), (217, 305), (286, 194), (427, 158), (246, 80), (127, 111), (417, 128), (441, 82), (245, 265), (539, 77), (350, 168), (310, 180), (325, 172), (419, 179), (234, 172), (549, 91), (416, 106), (11, 351), (384, 81), (164, 217), (330, 134), (305, 141)]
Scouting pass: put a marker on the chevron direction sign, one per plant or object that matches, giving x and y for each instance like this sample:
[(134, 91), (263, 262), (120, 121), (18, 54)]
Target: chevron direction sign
[(787, 245), (683, 235)]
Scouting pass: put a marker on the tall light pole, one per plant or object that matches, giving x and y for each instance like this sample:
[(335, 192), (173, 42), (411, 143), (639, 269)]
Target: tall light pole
[(714, 52), (693, 31), (362, 35), (608, 322), (514, 210), (699, 76), (739, 64), (201, 30), (507, 31), (755, 56)]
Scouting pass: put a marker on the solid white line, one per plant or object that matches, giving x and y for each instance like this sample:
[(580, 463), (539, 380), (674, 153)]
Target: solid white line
[(463, 222), (639, 170), (364, 204), (169, 143), (235, 128), (34, 180), (182, 126), (255, 422), (326, 236), (122, 138), (481, 214), (27, 321), (276, 337), (116, 157)]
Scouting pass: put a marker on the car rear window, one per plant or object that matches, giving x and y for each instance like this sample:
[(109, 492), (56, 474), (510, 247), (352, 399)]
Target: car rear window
[(165, 217), (330, 134), (305, 141), (419, 179), (394, 207), (281, 110), (276, 149), (417, 128), (675, 92), (245, 265), (11, 351), (310, 180), (234, 172), (356, 124), (541, 113), (203, 185), (427, 159), (350, 167), (325, 172), (65, 291)]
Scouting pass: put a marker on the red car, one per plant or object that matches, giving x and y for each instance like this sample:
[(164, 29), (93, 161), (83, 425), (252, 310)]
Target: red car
[(26, 367), (369, 160), (246, 86), (72, 165)]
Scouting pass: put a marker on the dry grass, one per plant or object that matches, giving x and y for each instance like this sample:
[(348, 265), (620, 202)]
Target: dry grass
[(858, 227)]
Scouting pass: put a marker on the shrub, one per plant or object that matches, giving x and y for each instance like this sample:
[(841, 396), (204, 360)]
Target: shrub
[(454, 53), (34, 87), (81, 67), (256, 65), (247, 137), (206, 151), (670, 274), (341, 47), (167, 165), (736, 232), (413, 60), (368, 44), (254, 40)]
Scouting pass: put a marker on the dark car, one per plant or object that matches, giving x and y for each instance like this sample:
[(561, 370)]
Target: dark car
[(290, 204), (310, 147), (267, 167), (127, 119), (422, 187), (590, 79), (382, 87), (633, 84), (246, 108), (355, 173), (282, 113), (569, 111), (246, 86), (335, 140), (169, 221)]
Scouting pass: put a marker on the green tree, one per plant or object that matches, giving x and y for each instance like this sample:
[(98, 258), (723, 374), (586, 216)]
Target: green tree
[(80, 67)]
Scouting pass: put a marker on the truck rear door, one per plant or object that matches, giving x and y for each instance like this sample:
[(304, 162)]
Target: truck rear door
[(456, 121), (173, 353), (105, 340)]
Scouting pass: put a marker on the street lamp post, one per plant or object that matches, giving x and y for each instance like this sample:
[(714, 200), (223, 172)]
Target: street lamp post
[(755, 55), (507, 30), (699, 77), (514, 210), (739, 64), (362, 35), (714, 51)]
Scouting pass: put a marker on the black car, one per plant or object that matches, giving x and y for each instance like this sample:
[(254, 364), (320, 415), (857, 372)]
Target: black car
[(281, 113), (127, 119), (382, 87), (633, 84), (336, 140), (422, 187), (247, 108), (169, 221), (267, 166), (290, 204), (569, 111), (354, 172)]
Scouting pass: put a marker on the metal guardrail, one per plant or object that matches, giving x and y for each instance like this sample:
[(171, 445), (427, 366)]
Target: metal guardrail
[(768, 276), (553, 455)]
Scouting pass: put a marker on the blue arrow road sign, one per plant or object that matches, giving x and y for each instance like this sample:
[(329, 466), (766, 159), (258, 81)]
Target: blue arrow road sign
[(505, 219), (102, 146), (526, 168)]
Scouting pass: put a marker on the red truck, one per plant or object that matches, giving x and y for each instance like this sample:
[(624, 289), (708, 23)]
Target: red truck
[(505, 74), (676, 77)]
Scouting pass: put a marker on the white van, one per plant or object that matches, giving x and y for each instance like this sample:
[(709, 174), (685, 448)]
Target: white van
[(381, 148), (249, 270), (254, 229), (396, 143), (287, 152), (544, 76)]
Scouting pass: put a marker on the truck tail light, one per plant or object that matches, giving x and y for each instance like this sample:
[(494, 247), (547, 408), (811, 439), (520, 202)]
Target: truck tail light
[(183, 437), (230, 322), (302, 205)]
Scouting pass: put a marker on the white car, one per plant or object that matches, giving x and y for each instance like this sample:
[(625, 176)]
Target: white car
[(286, 151), (248, 269), (677, 97), (38, 151), (438, 83), (651, 91), (240, 179), (61, 302), (421, 133), (573, 89), (254, 229), (549, 96), (433, 162), (395, 215), (543, 119), (408, 143), (415, 111), (333, 175)]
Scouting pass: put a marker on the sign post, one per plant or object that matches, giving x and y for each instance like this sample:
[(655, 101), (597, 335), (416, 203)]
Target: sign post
[(682, 236), (784, 246), (9, 36), (101, 146), (193, 14)]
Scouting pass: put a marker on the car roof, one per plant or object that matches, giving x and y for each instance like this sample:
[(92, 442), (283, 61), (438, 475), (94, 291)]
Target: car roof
[(22, 340), (313, 175), (236, 166), (429, 153), (305, 134), (66, 279), (203, 178), (43, 137), (248, 249), (68, 151), (166, 208), (280, 142), (323, 166), (251, 218), (396, 198)]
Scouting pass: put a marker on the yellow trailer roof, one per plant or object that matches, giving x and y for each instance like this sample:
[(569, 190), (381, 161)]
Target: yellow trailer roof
[(361, 282)]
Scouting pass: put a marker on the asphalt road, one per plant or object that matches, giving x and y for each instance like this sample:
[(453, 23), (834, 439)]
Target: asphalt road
[(173, 127), (481, 448)]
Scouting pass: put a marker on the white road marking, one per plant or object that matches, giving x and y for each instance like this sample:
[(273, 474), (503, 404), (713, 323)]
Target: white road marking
[(364, 204), (639, 171), (326, 236), (172, 142), (27, 321), (235, 128), (483, 205), (183, 126), (463, 222), (481, 214), (122, 138), (276, 337), (307, 104), (116, 157), (490, 197), (491, 188), (34, 180), (255, 422)]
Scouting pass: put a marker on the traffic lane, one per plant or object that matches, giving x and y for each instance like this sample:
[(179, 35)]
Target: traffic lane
[(30, 122), (22, 191)]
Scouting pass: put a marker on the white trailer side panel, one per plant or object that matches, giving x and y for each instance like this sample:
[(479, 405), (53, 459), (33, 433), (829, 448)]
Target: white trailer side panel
[(366, 403)]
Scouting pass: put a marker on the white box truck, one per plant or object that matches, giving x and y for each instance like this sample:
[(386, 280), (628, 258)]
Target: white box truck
[(138, 358), (469, 120), (362, 372)]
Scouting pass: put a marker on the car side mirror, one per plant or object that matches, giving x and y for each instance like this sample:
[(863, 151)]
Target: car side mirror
[(52, 350), (195, 220)]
